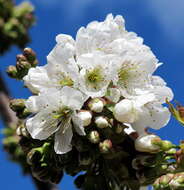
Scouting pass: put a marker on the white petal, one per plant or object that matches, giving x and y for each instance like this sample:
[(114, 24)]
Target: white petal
[(72, 98), (78, 125), (63, 140), (42, 125), (160, 116), (152, 115), (47, 99), (37, 79), (162, 93), (63, 50)]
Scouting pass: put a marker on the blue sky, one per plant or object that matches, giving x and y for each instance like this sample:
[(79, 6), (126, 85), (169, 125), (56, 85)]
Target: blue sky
[(159, 22)]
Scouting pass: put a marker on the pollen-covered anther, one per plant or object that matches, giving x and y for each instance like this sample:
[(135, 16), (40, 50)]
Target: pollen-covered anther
[(101, 122), (85, 116), (96, 105)]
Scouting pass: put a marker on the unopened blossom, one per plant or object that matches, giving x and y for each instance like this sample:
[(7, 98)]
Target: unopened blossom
[(85, 117), (101, 122), (54, 112), (144, 143), (96, 105)]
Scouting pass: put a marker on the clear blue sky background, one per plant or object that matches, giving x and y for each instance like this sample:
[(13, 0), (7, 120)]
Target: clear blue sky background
[(159, 22)]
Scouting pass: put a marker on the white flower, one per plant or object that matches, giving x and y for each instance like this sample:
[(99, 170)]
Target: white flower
[(95, 74), (60, 71), (144, 143), (97, 35), (54, 112), (141, 112), (133, 73)]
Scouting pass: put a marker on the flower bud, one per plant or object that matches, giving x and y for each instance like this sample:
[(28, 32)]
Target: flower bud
[(22, 131), (23, 65), (144, 143), (21, 58), (178, 181), (166, 145), (12, 71), (85, 116), (101, 122), (17, 104), (30, 55), (94, 137), (96, 105), (34, 156), (105, 146), (125, 112)]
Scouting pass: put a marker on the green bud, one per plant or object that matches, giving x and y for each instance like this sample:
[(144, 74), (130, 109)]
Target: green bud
[(166, 145), (24, 114), (171, 151), (12, 71), (34, 156), (94, 137), (105, 146), (17, 104)]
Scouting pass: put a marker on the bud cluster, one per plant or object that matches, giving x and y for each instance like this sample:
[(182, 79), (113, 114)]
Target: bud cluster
[(24, 62), (170, 182), (14, 24)]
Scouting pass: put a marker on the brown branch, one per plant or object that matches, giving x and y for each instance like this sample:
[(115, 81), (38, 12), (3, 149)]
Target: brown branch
[(9, 118)]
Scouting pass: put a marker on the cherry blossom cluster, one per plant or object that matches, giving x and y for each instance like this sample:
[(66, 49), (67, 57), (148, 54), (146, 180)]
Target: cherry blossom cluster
[(105, 66)]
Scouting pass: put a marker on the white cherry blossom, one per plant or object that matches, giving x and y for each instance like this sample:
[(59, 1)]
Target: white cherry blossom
[(141, 112), (55, 111), (60, 71), (95, 74)]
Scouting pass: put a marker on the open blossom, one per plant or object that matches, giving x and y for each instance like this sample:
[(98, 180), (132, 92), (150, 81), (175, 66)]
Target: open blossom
[(55, 113), (60, 71), (95, 74), (143, 111)]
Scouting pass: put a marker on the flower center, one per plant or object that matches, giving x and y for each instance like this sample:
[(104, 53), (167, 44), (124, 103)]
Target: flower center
[(62, 113), (123, 74), (66, 81), (94, 77), (126, 72)]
